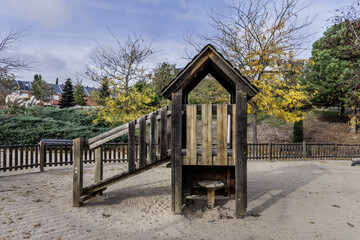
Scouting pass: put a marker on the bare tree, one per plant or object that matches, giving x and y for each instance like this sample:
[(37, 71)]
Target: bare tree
[(120, 63), (257, 35), (9, 65), (8, 43)]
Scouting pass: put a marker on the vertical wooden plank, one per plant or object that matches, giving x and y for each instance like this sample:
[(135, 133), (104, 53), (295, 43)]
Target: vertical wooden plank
[(233, 127), (241, 154), (304, 150), (49, 163), (270, 151), (131, 147), (142, 142), (176, 146), (206, 144), (10, 158), (42, 156), (21, 162), (61, 152), (4, 159), (221, 125), (16, 151), (335, 151), (56, 155), (66, 154), (27, 150), (98, 164), (191, 148), (163, 133), (152, 137), (78, 147), (32, 156)]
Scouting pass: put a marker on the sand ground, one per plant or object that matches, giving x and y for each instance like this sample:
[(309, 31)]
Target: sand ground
[(287, 200)]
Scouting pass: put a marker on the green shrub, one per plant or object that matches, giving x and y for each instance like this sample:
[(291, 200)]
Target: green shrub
[(49, 123), (298, 135)]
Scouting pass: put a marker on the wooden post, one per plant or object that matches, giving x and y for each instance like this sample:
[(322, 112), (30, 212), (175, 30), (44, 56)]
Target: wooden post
[(99, 168), (270, 151), (42, 156), (152, 140), (176, 159), (335, 151), (131, 147), (304, 150), (78, 145), (142, 141), (241, 154)]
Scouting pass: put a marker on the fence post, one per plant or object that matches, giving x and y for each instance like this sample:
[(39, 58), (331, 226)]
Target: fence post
[(270, 151), (335, 151), (304, 150), (78, 145), (42, 156), (98, 164)]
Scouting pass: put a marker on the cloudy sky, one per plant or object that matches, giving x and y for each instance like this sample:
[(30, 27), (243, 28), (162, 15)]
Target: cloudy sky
[(61, 35)]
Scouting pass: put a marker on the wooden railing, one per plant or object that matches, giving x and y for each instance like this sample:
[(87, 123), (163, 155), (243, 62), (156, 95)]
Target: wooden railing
[(18, 157)]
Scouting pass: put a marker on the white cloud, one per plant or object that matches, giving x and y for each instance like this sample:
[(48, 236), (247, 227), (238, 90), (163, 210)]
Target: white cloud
[(47, 13)]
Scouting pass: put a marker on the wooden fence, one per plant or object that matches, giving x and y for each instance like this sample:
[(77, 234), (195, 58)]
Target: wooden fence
[(18, 157)]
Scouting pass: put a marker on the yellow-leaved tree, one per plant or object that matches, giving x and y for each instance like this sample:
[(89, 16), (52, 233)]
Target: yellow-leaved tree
[(129, 95), (260, 38)]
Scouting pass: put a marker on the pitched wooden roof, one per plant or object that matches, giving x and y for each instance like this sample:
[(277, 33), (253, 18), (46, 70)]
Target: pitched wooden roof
[(209, 60)]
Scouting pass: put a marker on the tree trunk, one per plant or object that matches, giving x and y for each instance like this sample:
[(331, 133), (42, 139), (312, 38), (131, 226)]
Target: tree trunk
[(353, 120), (342, 111), (254, 123)]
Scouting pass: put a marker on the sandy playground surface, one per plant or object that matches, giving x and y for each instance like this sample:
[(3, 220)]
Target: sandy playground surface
[(287, 200)]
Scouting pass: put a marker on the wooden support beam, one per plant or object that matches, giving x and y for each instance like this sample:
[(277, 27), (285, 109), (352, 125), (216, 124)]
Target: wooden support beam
[(241, 154), (131, 147), (78, 145), (176, 159), (99, 169), (142, 140), (42, 156)]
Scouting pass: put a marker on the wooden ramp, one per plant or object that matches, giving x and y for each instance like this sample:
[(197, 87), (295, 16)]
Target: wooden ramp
[(147, 147)]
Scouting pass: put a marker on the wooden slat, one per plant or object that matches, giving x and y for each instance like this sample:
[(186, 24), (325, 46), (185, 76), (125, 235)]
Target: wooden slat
[(152, 138), (27, 150), (21, 149), (163, 133), (206, 144), (131, 147), (222, 131), (191, 146), (10, 158), (16, 155), (142, 142), (98, 164), (4, 158)]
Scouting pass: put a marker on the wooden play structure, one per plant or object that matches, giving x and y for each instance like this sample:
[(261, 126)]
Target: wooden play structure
[(208, 142)]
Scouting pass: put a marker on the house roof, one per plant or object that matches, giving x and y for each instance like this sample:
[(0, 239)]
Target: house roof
[(209, 60), (24, 85), (58, 89)]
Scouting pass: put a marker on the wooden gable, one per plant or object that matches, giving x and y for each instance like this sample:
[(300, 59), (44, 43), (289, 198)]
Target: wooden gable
[(209, 60)]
